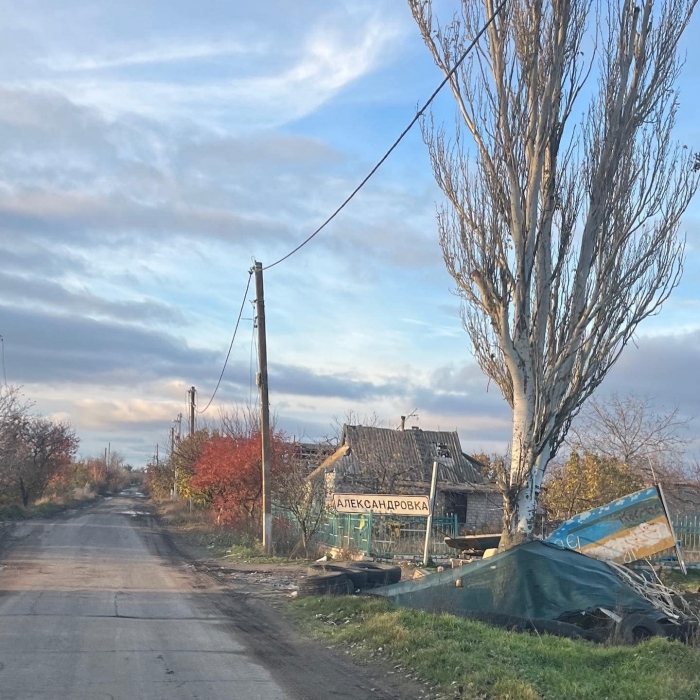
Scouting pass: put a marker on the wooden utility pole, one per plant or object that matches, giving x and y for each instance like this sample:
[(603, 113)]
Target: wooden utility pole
[(172, 459), (192, 392), (264, 407)]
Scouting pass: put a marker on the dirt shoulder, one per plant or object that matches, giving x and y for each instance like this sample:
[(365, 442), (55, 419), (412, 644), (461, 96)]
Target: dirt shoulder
[(214, 552), (256, 596)]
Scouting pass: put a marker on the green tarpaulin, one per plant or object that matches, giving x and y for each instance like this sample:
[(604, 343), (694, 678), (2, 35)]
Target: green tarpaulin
[(535, 580)]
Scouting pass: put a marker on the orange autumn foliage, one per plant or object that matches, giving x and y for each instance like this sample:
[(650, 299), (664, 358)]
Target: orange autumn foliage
[(229, 475)]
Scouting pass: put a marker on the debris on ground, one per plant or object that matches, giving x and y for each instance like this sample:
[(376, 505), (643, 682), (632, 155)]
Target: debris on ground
[(540, 586)]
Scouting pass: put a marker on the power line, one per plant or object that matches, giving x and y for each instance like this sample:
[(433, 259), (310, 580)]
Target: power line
[(366, 179), (411, 124), (233, 337), (2, 347)]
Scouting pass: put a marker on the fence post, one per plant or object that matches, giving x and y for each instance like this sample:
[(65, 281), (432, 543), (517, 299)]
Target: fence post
[(369, 534)]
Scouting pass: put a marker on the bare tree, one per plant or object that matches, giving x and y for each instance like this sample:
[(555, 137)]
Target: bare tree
[(631, 431), (304, 498), (41, 448), (352, 417), (14, 418), (560, 236), (241, 420)]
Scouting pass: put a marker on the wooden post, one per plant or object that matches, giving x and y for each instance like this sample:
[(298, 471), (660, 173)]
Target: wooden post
[(264, 407), (431, 511), (172, 460), (192, 392)]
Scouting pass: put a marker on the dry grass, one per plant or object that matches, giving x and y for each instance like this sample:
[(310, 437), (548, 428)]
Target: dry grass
[(196, 528), (44, 508)]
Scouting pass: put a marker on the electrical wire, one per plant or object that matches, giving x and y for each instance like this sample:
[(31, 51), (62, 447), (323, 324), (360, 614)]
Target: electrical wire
[(233, 338), (2, 347), (411, 124), (347, 200)]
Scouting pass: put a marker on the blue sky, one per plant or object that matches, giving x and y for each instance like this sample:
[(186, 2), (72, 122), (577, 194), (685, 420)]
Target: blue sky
[(150, 149)]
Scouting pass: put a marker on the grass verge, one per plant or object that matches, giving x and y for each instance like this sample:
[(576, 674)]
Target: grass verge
[(196, 529), (467, 659), (46, 509), (682, 582)]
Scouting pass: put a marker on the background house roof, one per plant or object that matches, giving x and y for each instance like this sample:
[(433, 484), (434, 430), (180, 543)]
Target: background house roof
[(415, 448)]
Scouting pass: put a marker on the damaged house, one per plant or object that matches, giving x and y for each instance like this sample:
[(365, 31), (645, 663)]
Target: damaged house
[(385, 461)]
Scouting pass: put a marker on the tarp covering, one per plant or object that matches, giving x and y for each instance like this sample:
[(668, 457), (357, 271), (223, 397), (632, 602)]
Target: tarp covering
[(535, 580)]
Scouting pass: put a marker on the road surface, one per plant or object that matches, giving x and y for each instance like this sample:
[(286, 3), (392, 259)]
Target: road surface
[(92, 608)]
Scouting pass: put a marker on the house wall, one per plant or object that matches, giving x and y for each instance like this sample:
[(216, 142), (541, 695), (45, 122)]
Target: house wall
[(476, 512), (484, 511)]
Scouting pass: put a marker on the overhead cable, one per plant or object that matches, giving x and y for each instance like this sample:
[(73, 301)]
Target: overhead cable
[(2, 349), (411, 124), (233, 338)]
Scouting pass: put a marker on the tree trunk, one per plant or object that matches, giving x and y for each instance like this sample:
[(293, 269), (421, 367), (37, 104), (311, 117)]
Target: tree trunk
[(24, 492), (525, 479), (515, 515), (304, 541)]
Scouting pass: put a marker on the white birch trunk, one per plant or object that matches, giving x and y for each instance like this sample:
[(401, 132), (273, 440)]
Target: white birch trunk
[(529, 496)]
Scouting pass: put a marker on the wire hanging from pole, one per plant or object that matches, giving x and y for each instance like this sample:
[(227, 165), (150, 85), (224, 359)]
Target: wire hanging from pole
[(233, 338), (411, 124), (2, 349)]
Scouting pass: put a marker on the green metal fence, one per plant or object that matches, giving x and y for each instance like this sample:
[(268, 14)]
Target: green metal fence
[(383, 535), (389, 535), (687, 529)]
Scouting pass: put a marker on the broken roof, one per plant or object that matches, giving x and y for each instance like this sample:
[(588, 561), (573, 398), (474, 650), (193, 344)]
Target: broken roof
[(364, 446)]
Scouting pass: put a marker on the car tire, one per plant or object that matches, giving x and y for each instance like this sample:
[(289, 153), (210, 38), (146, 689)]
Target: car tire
[(636, 627), (379, 574), (330, 583), (358, 577)]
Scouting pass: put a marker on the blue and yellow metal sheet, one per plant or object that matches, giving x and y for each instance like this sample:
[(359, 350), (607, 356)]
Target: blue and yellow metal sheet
[(633, 527)]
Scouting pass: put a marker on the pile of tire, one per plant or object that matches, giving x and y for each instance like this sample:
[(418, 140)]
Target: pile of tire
[(347, 577)]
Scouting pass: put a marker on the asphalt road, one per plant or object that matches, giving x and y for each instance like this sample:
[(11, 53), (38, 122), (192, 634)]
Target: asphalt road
[(92, 608)]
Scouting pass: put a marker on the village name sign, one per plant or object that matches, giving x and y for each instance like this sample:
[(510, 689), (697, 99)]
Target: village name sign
[(381, 504)]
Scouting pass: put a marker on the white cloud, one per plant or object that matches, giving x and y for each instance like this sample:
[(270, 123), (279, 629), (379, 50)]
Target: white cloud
[(289, 84), (171, 52)]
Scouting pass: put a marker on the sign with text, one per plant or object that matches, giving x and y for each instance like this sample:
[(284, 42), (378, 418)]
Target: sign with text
[(381, 504), (633, 527)]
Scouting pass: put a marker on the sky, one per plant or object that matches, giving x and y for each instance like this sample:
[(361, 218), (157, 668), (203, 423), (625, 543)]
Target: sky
[(150, 151)]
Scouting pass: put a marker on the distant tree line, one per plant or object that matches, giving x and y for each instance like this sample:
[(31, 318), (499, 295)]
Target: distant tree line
[(38, 457)]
